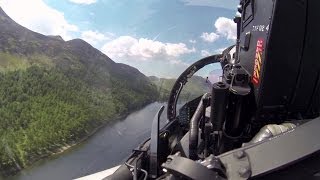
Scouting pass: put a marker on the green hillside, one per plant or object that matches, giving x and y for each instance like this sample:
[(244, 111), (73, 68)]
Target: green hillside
[(54, 93)]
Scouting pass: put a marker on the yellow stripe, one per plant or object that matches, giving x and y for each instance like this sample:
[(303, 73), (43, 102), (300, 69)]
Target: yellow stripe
[(259, 57), (256, 74)]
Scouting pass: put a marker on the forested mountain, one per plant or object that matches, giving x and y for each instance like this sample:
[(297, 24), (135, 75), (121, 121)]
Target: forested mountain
[(195, 87), (55, 92)]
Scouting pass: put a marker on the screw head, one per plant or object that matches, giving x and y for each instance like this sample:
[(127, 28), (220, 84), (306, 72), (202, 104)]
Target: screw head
[(244, 172), (239, 154)]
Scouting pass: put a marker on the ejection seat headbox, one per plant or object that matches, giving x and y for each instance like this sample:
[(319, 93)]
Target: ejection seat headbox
[(279, 48)]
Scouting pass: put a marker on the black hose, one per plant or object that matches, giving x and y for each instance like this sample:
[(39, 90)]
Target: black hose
[(194, 129)]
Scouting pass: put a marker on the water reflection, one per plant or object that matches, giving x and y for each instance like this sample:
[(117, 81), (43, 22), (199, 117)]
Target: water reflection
[(110, 146)]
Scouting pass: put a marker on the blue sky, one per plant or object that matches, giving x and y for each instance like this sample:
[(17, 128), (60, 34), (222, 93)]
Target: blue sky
[(159, 37)]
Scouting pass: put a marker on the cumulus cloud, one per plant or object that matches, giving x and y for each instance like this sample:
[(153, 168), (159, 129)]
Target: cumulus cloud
[(83, 1), (127, 47), (192, 41), (226, 27), (205, 53), (39, 17), (209, 37), (95, 37), (220, 50), (227, 4), (150, 56)]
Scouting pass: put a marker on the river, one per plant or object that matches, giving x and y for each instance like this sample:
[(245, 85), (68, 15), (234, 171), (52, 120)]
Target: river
[(108, 147)]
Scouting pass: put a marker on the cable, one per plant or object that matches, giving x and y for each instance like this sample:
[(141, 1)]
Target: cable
[(131, 167), (145, 174)]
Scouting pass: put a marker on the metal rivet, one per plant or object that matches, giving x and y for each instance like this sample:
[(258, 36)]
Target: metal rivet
[(209, 166), (244, 172), (239, 154)]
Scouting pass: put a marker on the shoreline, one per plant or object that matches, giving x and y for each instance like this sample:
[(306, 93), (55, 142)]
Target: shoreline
[(93, 132), (72, 145)]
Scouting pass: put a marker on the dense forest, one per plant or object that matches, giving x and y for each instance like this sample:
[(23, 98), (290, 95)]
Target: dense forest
[(43, 110), (54, 93)]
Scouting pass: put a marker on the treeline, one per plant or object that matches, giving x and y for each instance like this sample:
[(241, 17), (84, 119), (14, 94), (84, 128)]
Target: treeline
[(42, 110)]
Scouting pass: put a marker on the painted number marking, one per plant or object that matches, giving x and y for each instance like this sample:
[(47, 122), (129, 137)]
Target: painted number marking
[(258, 28)]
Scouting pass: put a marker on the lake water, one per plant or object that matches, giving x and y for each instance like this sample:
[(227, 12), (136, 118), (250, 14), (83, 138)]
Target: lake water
[(108, 147)]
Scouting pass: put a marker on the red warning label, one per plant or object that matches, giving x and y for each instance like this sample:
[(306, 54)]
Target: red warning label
[(257, 62)]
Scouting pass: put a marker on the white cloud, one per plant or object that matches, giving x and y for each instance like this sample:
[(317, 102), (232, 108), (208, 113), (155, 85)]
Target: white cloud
[(95, 37), (226, 27), (209, 37), (127, 47), (219, 51), (205, 53), (227, 4), (149, 56), (39, 17), (83, 1), (192, 41)]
